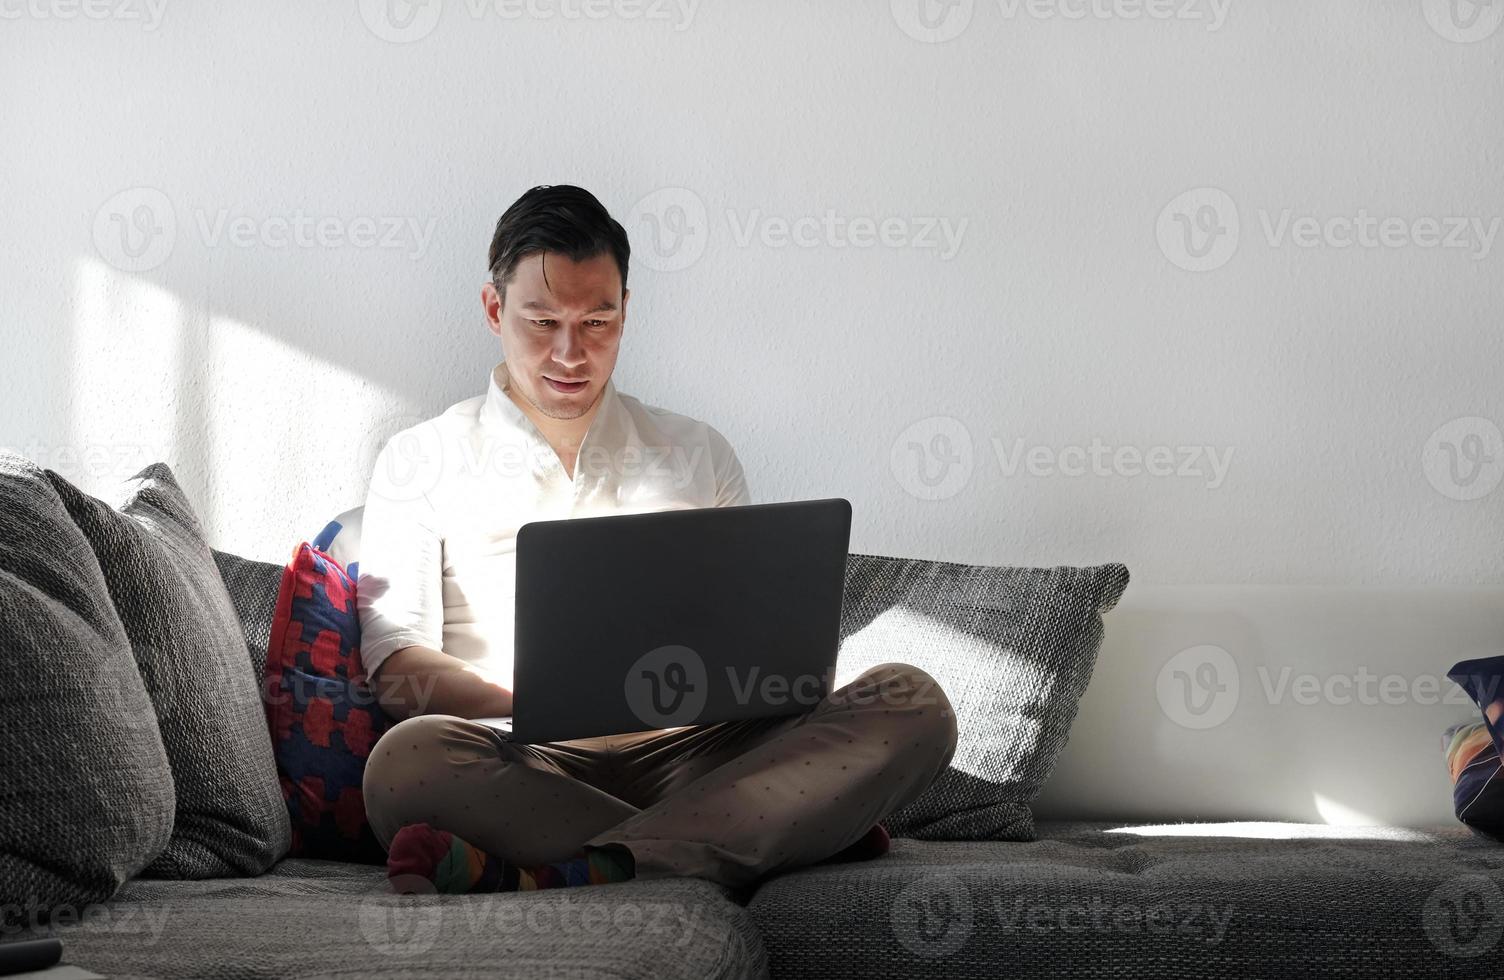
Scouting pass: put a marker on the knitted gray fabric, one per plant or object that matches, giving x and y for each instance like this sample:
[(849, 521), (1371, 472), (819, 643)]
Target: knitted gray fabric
[(1013, 649), (86, 794), (324, 919), (253, 586), (231, 819), (1085, 902)]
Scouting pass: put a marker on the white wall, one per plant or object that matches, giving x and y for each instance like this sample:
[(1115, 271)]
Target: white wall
[(266, 372)]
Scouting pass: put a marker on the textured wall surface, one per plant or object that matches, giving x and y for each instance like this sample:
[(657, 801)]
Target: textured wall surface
[(1173, 284)]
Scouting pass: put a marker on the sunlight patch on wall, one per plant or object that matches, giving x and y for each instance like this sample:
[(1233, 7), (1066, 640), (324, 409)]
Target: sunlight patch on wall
[(291, 438), (1340, 815), (125, 370)]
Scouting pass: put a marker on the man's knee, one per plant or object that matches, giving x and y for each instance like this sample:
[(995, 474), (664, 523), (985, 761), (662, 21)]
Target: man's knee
[(927, 712), (403, 763)]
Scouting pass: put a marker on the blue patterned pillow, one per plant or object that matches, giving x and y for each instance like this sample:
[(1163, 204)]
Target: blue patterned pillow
[(324, 718)]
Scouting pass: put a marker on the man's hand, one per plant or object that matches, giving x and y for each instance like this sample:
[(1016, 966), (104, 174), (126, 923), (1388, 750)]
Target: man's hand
[(420, 680)]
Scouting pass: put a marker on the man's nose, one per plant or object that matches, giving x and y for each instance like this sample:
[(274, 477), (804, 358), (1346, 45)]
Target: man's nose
[(568, 349)]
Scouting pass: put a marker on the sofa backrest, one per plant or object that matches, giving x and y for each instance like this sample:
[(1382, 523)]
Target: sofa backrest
[(1274, 703), (1262, 703)]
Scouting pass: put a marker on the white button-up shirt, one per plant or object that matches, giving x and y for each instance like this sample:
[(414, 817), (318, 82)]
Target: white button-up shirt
[(438, 547)]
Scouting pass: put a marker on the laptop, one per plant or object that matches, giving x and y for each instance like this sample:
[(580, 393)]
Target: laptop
[(636, 622)]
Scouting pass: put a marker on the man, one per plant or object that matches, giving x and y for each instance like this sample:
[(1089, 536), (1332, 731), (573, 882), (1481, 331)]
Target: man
[(454, 802)]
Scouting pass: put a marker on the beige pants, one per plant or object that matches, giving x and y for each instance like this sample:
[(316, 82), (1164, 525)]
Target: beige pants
[(729, 802)]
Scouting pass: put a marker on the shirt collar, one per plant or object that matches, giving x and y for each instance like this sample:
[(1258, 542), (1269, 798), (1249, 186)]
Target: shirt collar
[(504, 417)]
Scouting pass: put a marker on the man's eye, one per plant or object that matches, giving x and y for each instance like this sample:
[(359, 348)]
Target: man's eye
[(596, 323), (544, 323)]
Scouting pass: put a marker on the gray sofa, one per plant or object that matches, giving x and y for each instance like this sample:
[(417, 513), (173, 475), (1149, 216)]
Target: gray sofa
[(1082, 900), (100, 601)]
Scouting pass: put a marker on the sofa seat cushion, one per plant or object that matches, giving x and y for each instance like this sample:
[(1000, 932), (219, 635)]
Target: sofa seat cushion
[(309, 919), (1208, 900)]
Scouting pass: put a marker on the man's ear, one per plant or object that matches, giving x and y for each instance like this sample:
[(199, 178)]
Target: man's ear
[(626, 294), (490, 301)]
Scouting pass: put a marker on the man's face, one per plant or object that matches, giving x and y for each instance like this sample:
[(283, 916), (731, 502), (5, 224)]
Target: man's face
[(567, 328)]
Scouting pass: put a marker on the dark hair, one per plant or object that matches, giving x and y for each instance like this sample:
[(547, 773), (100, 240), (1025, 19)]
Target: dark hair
[(559, 218)]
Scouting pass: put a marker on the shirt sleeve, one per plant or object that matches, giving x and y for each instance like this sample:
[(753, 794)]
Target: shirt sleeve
[(399, 598), (731, 488)]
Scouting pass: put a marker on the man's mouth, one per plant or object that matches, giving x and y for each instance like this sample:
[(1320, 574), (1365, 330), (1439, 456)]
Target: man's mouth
[(566, 387)]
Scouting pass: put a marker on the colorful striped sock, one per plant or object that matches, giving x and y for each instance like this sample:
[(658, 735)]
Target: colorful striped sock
[(453, 866)]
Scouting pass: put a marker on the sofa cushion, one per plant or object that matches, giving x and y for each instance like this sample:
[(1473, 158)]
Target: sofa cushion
[(192, 655), (1013, 649), (340, 540), (1232, 900), (323, 717), (1474, 751), (252, 586), (1472, 759), (86, 793), (308, 919)]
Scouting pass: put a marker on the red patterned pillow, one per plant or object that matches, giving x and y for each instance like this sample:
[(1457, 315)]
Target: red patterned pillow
[(324, 719)]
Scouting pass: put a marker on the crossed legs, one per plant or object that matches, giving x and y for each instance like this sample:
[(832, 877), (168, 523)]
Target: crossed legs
[(729, 802)]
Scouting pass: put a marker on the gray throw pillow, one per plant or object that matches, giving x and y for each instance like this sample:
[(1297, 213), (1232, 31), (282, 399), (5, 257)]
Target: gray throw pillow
[(190, 650), (86, 794), (253, 586), (1013, 649)]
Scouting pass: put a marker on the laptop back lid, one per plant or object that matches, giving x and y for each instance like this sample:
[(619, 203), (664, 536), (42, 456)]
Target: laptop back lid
[(632, 622)]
